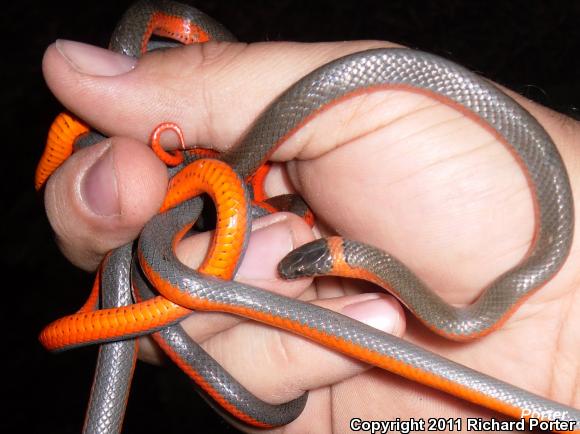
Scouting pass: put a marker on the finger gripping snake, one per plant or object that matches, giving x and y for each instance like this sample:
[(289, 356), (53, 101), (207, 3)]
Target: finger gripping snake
[(164, 285)]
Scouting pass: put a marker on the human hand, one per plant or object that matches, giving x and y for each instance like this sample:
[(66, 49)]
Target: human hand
[(391, 168)]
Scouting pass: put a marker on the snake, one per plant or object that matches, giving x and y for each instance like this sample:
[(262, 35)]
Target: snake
[(165, 290)]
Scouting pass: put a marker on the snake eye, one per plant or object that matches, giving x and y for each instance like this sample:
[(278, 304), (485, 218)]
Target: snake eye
[(308, 260)]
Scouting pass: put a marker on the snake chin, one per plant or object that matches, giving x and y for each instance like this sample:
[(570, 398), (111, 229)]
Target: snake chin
[(312, 259)]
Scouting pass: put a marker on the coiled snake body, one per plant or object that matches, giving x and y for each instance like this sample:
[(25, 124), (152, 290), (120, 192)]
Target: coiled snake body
[(156, 270)]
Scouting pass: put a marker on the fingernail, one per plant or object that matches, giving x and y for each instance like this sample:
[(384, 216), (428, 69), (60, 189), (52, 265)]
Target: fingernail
[(267, 246), (99, 186), (92, 60), (379, 311)]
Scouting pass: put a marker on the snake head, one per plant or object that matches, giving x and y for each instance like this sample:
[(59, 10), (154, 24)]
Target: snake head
[(312, 259)]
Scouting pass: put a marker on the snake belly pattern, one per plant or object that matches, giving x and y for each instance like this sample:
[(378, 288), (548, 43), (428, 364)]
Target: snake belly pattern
[(156, 269)]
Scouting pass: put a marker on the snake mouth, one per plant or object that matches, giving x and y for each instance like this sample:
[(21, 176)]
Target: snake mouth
[(309, 260)]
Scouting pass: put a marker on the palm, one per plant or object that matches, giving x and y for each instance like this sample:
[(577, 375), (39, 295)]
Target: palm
[(452, 204)]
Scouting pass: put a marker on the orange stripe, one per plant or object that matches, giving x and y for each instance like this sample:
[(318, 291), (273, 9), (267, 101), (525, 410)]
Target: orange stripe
[(201, 382), (173, 27), (309, 217), (111, 323), (203, 152), (92, 302), (257, 181), (59, 146), (170, 158)]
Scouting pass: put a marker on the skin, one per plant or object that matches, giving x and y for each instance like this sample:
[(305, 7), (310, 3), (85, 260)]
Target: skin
[(410, 176)]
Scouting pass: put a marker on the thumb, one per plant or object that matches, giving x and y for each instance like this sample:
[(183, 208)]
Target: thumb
[(214, 91)]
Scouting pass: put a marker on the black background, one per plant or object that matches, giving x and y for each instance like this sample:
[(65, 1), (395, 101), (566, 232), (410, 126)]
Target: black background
[(531, 46)]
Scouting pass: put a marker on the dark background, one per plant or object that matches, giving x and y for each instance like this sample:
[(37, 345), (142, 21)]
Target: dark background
[(531, 46)]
